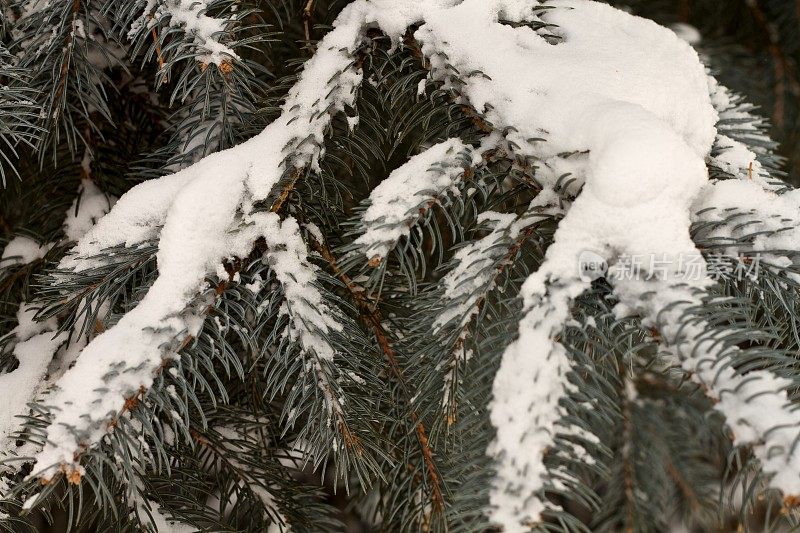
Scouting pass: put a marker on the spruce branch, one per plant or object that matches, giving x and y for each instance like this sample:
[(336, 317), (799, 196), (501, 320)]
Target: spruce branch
[(344, 280), (371, 316)]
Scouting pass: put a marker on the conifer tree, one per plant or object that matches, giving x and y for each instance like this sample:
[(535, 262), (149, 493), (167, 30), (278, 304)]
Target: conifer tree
[(399, 265)]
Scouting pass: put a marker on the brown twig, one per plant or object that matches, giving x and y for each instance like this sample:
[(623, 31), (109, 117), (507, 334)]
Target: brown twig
[(159, 55), (287, 190), (685, 488), (308, 12), (62, 74)]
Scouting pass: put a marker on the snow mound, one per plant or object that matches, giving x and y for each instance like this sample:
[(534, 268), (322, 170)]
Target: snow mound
[(22, 250)]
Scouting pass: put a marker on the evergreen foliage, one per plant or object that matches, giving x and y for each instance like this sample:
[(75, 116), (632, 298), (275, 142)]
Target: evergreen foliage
[(339, 372)]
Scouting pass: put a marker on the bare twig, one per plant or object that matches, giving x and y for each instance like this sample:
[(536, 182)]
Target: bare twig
[(308, 12)]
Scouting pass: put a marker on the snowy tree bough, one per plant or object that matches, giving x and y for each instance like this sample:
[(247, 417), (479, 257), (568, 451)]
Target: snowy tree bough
[(615, 123)]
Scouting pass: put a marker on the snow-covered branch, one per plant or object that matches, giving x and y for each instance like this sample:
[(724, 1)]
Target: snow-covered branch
[(528, 388), (191, 17), (409, 191), (475, 271), (311, 319), (755, 404), (581, 89), (742, 148), (742, 218), (646, 148), (193, 243), (35, 345)]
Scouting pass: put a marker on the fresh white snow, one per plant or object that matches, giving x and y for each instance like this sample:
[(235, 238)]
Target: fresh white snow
[(755, 406), (752, 221), (87, 208), (395, 204), (473, 274), (737, 120), (311, 318), (36, 342), (22, 250), (193, 243), (190, 15), (636, 96)]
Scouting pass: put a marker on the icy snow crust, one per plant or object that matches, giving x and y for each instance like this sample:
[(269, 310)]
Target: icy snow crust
[(626, 90)]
